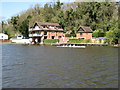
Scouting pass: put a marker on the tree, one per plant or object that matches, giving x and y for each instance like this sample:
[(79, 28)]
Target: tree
[(2, 26), (98, 33), (14, 22), (24, 28), (113, 36)]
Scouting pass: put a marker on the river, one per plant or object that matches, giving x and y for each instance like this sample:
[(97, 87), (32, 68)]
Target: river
[(30, 66)]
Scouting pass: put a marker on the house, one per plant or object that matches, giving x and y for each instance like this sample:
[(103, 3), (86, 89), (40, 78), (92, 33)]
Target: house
[(84, 32), (3, 36), (45, 30)]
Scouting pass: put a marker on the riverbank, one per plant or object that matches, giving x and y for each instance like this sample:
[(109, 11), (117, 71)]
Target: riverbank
[(60, 44)]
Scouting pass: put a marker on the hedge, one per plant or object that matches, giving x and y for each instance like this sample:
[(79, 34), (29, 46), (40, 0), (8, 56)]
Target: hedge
[(87, 41), (75, 40), (79, 41), (51, 40)]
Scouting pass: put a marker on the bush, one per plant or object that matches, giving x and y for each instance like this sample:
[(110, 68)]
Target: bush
[(106, 41), (100, 40), (51, 40), (87, 41), (98, 33), (75, 40)]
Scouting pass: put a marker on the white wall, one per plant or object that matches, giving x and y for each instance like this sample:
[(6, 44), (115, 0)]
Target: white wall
[(36, 28), (3, 36), (21, 40)]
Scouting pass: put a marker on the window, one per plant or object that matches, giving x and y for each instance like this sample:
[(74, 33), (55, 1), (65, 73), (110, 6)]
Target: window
[(37, 32), (19, 36), (53, 37), (45, 33), (44, 26), (59, 32), (45, 37), (53, 32), (58, 27), (59, 36), (81, 34)]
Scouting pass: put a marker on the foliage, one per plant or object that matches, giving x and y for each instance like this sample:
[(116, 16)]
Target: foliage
[(14, 22), (9, 31), (75, 40), (51, 40), (113, 36), (98, 33), (79, 41), (24, 28), (87, 40)]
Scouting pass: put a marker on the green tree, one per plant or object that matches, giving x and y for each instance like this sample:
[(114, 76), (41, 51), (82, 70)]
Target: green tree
[(113, 36), (14, 22), (98, 33), (24, 28)]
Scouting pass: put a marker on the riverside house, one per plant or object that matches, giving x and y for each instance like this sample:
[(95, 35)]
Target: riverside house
[(84, 32), (45, 30)]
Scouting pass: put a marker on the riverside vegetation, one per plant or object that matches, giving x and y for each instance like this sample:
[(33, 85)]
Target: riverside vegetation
[(102, 17)]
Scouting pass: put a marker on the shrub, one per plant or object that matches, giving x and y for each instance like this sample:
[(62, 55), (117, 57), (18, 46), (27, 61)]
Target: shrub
[(106, 41), (75, 40), (100, 40), (98, 33), (87, 41), (51, 40)]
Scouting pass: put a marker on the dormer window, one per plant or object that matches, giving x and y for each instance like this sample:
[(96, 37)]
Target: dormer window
[(52, 26), (44, 26), (58, 27)]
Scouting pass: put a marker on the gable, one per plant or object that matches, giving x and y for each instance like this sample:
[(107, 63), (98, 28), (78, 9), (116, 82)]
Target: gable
[(36, 26), (81, 30), (85, 29)]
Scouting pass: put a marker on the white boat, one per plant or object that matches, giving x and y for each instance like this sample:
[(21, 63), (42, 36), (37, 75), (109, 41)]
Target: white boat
[(70, 46)]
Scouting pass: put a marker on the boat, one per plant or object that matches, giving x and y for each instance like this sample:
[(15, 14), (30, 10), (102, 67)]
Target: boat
[(70, 46)]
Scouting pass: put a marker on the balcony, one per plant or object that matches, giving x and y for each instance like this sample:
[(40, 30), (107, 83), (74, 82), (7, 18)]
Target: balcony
[(34, 29), (35, 35)]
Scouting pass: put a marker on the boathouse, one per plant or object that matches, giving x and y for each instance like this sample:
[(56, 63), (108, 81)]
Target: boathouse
[(45, 30), (84, 32)]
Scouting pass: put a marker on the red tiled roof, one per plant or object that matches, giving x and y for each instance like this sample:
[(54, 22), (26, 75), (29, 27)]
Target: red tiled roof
[(85, 29), (48, 23), (51, 29)]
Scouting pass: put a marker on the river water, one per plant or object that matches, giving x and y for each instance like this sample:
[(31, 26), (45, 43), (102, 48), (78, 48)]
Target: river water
[(29, 66)]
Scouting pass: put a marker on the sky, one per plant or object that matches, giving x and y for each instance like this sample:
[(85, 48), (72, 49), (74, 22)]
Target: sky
[(9, 8), (13, 8)]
